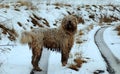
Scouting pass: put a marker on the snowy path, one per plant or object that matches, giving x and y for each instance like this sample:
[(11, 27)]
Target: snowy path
[(112, 61)]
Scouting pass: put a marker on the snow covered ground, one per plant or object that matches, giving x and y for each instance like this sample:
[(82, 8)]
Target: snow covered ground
[(113, 41), (18, 16), (16, 60), (88, 51)]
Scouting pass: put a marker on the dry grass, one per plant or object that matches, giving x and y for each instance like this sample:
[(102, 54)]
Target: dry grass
[(92, 16), (35, 16), (108, 19), (39, 21), (26, 3), (81, 32), (35, 22), (79, 42), (90, 27), (118, 29), (77, 65), (46, 22), (73, 67), (4, 6), (78, 62), (61, 4), (16, 9), (80, 20), (20, 24), (11, 32)]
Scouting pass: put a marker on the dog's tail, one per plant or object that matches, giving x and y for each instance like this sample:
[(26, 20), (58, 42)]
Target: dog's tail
[(26, 37)]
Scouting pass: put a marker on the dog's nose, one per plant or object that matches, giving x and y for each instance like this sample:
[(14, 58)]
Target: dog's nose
[(69, 25), (69, 22)]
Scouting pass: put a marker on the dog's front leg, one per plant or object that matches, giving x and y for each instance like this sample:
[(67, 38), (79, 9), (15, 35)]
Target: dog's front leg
[(64, 56)]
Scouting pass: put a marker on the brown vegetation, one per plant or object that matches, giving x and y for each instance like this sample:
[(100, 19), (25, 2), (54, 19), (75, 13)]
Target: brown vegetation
[(11, 32), (26, 3), (4, 6), (39, 21), (73, 67), (19, 24), (61, 4), (35, 22), (118, 29), (78, 64), (108, 19), (80, 19)]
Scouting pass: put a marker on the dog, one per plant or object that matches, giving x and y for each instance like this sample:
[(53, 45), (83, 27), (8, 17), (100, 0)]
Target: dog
[(60, 39)]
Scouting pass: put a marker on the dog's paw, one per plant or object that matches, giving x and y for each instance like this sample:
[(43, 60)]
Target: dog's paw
[(64, 63), (37, 69)]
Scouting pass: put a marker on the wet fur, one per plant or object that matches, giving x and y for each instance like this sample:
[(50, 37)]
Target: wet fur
[(59, 39)]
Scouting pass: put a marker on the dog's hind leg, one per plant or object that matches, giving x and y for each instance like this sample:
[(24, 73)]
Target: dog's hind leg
[(36, 57)]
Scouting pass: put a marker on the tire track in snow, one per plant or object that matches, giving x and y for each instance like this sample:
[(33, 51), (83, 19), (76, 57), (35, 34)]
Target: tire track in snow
[(113, 65)]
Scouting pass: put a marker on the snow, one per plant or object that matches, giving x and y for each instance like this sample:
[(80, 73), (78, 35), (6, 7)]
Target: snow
[(16, 58), (113, 41), (73, 2), (86, 50)]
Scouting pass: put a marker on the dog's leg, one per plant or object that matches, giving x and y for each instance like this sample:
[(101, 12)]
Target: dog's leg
[(36, 57), (65, 56), (65, 51)]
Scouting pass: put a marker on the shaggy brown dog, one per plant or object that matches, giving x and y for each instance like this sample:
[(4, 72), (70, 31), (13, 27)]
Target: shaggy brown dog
[(58, 39)]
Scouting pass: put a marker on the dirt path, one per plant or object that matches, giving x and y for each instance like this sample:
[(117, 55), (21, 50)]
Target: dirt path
[(112, 62)]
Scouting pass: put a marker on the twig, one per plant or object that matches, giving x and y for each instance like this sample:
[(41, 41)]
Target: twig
[(8, 45)]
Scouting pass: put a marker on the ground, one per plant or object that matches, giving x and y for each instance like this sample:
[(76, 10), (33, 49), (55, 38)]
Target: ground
[(18, 16)]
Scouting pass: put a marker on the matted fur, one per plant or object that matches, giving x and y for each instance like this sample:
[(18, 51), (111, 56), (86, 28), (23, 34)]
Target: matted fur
[(58, 39)]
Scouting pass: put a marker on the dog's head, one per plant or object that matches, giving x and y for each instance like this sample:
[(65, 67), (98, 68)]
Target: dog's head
[(69, 24)]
